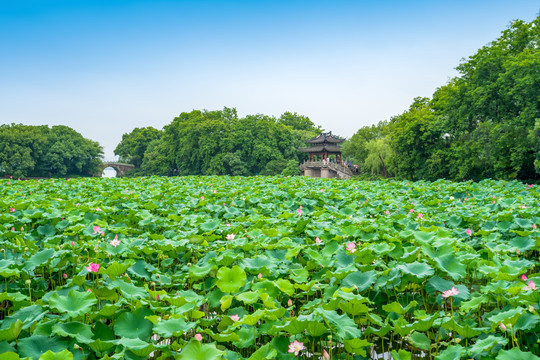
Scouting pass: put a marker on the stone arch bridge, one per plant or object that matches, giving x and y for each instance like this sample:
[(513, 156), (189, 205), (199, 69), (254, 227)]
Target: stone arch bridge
[(120, 168)]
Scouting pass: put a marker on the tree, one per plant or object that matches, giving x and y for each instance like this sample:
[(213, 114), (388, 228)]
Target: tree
[(43, 151), (134, 144)]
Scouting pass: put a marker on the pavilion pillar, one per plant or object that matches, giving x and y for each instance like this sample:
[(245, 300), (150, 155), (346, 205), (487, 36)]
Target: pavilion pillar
[(340, 161)]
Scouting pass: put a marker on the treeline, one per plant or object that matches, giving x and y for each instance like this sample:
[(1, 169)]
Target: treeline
[(485, 123), (219, 143), (40, 151)]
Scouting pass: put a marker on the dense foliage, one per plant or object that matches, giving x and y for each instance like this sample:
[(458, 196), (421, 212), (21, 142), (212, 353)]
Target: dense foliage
[(482, 124), (40, 151), (219, 143), (268, 268)]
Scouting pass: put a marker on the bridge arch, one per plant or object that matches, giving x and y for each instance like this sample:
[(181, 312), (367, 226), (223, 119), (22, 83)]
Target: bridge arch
[(120, 168)]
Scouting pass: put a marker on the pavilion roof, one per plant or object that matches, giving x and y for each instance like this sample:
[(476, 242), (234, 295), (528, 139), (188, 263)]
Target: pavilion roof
[(325, 138)]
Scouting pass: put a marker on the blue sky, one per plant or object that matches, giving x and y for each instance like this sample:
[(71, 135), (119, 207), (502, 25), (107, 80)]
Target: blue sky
[(106, 67)]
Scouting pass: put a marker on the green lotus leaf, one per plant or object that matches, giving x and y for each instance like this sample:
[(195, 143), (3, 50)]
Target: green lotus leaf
[(230, 280), (398, 308), (46, 230), (195, 350), (101, 346), (527, 321), (36, 345), (39, 259), (115, 269), (360, 280), (523, 243), (134, 325), (77, 330), (265, 352), (137, 346), (61, 355), (139, 270), (419, 340), (210, 225), (452, 352), (248, 297), (198, 272), (516, 354), (6, 270), (343, 325), (11, 331), (9, 355), (28, 315), (316, 329), (486, 344), (418, 269), (74, 304), (173, 327), (506, 317), (401, 355), (246, 337)]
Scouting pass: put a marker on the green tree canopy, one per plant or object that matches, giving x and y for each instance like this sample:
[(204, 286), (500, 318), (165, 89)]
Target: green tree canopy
[(43, 151), (220, 142)]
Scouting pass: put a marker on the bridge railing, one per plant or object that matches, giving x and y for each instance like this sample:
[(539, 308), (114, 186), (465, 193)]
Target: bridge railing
[(331, 165)]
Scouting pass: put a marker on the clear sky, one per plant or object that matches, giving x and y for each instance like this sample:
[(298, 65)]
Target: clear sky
[(104, 67)]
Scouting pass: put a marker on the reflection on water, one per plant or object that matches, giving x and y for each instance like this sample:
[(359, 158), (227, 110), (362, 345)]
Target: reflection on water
[(109, 172)]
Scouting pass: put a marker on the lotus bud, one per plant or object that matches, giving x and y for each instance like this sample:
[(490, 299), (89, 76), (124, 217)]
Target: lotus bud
[(502, 327), (531, 308), (326, 356), (289, 303), (158, 276), (28, 282), (64, 275), (76, 347)]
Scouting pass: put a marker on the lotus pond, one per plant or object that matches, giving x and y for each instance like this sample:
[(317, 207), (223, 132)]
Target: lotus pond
[(268, 268)]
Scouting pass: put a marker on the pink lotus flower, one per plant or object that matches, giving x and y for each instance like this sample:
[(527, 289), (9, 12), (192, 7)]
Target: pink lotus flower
[(289, 303), (299, 211), (98, 209), (115, 242), (532, 285), (411, 211), (469, 232), (93, 267), (517, 251), (318, 241), (452, 292), (64, 275), (78, 204), (96, 229), (524, 277), (420, 215), (325, 355), (202, 197), (230, 236), (72, 243), (534, 226), (228, 225), (12, 210), (530, 185), (494, 202), (386, 212), (351, 247), (260, 276), (198, 337), (13, 229), (235, 317), (295, 347)]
